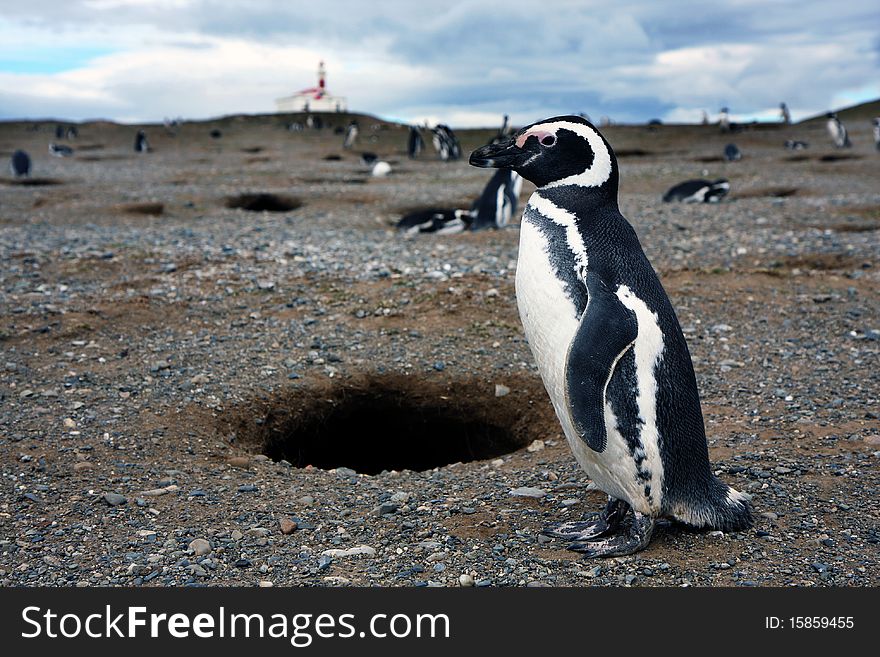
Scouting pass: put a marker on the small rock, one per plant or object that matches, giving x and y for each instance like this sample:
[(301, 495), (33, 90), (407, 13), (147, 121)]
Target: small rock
[(266, 584), (350, 552), (501, 390), (200, 547), (535, 446), (236, 535), (528, 491), (69, 423), (247, 488), (287, 526), (465, 580), (239, 461), (114, 499)]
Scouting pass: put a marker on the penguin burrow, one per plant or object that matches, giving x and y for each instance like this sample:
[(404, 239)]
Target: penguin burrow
[(608, 345)]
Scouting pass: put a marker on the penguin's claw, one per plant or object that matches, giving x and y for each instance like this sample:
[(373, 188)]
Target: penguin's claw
[(578, 531), (635, 538)]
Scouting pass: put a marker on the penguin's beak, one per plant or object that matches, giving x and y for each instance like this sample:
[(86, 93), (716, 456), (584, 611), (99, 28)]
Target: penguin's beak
[(504, 155)]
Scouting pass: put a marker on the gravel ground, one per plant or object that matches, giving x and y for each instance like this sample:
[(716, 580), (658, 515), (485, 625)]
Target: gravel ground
[(196, 394)]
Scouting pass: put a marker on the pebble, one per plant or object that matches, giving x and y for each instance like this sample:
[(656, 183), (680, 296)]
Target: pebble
[(200, 547), (501, 390), (528, 491), (287, 526), (465, 580), (239, 461), (114, 499), (350, 552), (247, 488), (535, 446)]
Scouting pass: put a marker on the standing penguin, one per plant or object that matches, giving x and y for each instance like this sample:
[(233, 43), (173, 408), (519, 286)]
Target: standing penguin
[(608, 345), (351, 133), (141, 145), (837, 131), (20, 164), (414, 143), (497, 203), (784, 114)]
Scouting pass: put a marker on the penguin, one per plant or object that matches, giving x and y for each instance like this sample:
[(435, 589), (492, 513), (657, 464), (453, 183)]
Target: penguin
[(369, 159), (351, 134), (435, 220), (732, 153), (698, 191), (503, 132), (216, 133), (724, 120), (608, 346), (414, 143), (784, 114), (837, 131), (875, 123), (795, 145), (497, 203), (140, 142), (60, 150), (446, 143), (20, 164), (59, 132)]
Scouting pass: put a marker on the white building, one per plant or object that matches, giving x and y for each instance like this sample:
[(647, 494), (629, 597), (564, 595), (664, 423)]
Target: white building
[(313, 99)]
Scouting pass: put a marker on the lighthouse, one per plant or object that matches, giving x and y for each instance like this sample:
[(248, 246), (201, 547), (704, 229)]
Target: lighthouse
[(313, 99)]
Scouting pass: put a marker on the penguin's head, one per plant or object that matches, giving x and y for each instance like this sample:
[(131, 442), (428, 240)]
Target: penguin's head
[(563, 150)]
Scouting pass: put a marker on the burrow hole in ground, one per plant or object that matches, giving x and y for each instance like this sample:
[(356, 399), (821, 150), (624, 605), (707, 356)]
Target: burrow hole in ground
[(264, 202), (372, 424)]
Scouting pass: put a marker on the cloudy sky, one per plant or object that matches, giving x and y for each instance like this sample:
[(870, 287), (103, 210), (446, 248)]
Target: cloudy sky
[(465, 62)]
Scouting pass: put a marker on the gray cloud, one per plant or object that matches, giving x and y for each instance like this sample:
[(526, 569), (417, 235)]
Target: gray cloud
[(513, 56)]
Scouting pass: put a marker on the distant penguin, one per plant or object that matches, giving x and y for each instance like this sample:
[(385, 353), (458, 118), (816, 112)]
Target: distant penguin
[(608, 345), (216, 134), (351, 134), (497, 203), (59, 132), (140, 142), (875, 123), (414, 143), (20, 164), (795, 145), (435, 220), (369, 159), (698, 191), (784, 114), (72, 132), (60, 150), (837, 131), (503, 132), (380, 169), (724, 120), (446, 143), (732, 153)]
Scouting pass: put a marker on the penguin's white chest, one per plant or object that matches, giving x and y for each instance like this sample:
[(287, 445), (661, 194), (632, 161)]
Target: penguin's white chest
[(550, 321)]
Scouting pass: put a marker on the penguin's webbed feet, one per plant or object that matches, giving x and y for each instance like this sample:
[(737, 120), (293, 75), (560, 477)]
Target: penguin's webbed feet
[(607, 523), (634, 538)]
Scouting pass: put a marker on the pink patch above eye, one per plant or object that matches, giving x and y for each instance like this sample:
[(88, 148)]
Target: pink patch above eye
[(540, 134)]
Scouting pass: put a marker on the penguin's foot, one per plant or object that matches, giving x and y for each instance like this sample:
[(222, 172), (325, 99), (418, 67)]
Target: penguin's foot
[(635, 537), (607, 523)]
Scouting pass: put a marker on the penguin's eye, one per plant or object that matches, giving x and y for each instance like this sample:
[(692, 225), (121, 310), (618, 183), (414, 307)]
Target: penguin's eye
[(549, 140)]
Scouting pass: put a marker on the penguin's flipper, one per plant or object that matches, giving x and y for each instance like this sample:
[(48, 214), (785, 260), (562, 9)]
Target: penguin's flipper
[(606, 330)]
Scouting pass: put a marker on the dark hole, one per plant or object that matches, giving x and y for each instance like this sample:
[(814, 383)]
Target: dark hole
[(263, 202), (838, 158), (398, 423), (154, 209), (35, 182)]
